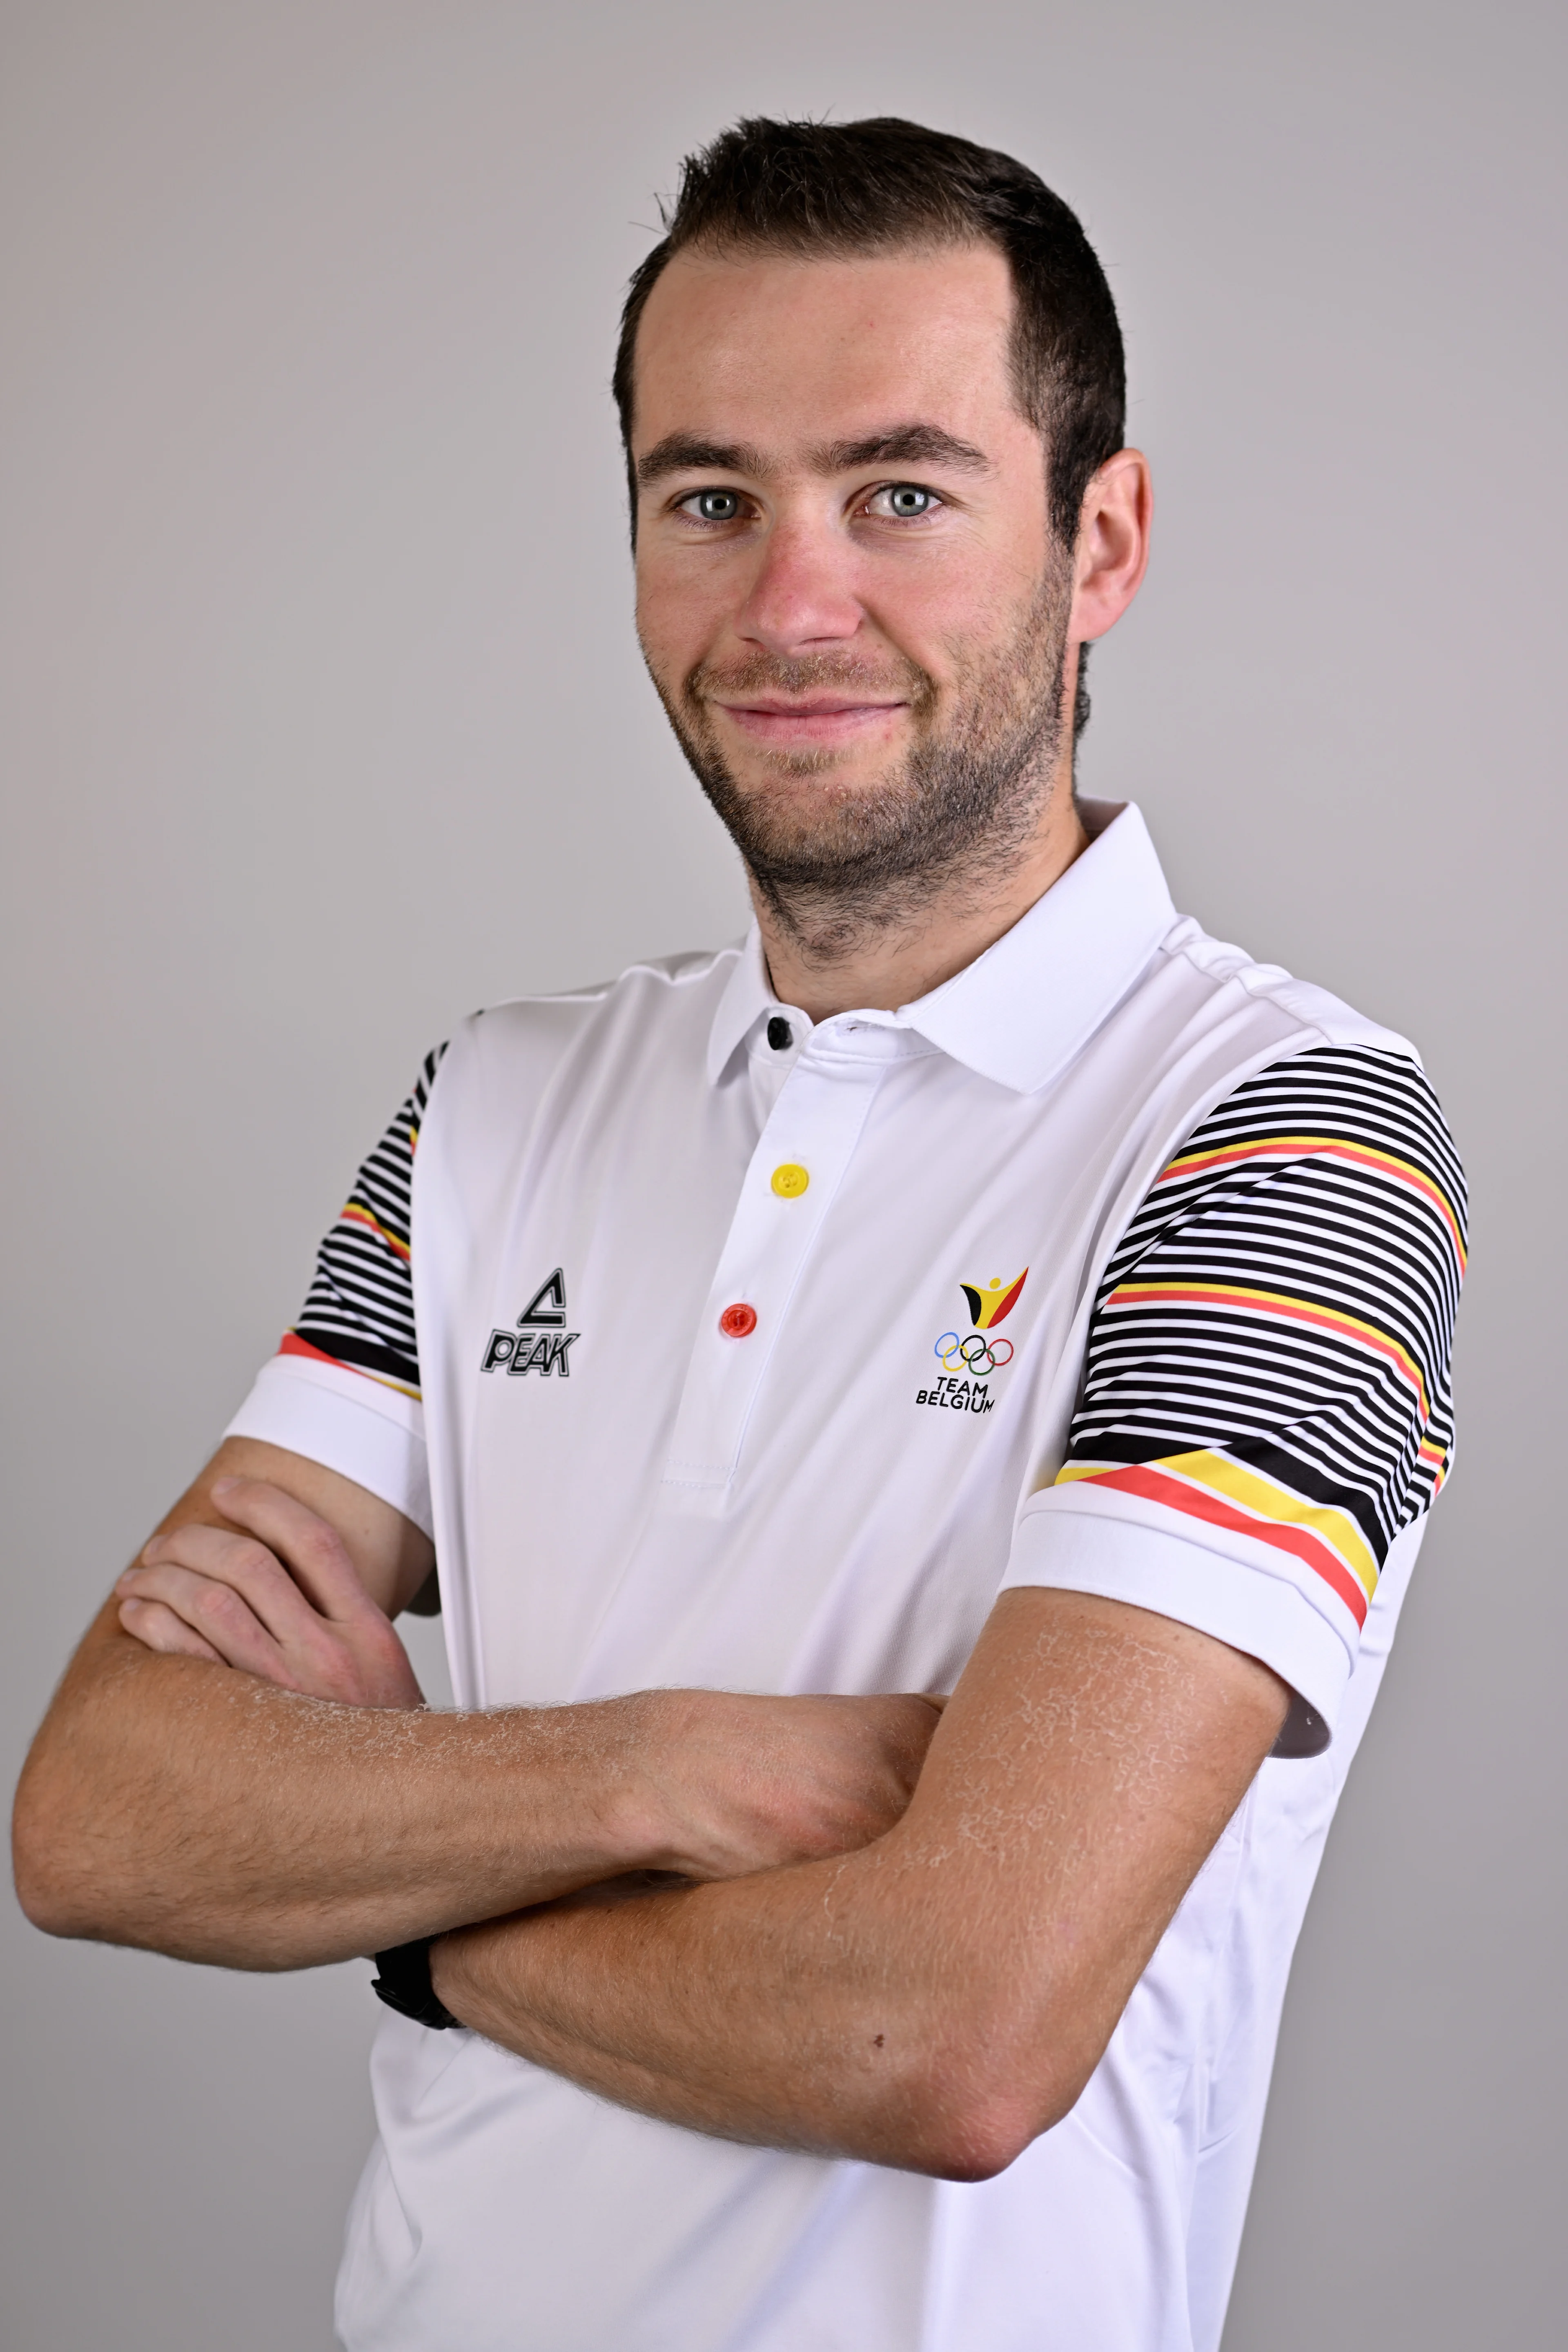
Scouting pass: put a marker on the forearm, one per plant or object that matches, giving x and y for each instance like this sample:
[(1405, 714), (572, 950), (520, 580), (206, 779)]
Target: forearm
[(821, 2008), (195, 1807), (198, 1810)]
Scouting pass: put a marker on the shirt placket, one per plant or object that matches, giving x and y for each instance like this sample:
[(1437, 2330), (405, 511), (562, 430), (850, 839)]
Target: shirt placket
[(788, 1192)]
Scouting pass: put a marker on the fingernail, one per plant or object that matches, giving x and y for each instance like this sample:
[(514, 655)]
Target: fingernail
[(224, 1486)]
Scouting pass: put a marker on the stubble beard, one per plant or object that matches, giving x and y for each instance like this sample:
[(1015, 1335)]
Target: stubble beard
[(946, 823)]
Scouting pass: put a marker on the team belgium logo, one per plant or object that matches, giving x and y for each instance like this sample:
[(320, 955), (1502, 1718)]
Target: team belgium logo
[(968, 1358), (990, 1307), (541, 1343)]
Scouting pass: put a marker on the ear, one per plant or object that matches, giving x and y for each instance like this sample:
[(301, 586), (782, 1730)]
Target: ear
[(1112, 551)]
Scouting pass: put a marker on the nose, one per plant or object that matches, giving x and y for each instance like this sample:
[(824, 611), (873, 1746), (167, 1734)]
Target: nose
[(802, 597)]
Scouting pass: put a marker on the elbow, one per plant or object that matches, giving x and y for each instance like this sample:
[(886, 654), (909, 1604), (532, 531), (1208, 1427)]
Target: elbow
[(47, 1905), (44, 1889), (970, 2147), (977, 2100), (974, 2135), (50, 1868)]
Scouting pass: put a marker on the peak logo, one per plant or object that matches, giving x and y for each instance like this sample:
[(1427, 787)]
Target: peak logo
[(541, 1343), (967, 1357)]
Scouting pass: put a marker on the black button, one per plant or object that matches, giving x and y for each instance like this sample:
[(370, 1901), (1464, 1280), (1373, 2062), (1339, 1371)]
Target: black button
[(781, 1036)]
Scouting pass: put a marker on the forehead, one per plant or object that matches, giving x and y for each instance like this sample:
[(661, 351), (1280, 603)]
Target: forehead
[(783, 352)]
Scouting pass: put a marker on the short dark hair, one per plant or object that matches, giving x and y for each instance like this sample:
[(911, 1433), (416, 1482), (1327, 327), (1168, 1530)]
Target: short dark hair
[(866, 187)]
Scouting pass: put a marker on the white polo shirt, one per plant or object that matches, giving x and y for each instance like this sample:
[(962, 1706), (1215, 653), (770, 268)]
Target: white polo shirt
[(750, 1353)]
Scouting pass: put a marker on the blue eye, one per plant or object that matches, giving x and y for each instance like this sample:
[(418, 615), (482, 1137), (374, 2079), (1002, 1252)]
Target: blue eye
[(714, 505), (907, 501)]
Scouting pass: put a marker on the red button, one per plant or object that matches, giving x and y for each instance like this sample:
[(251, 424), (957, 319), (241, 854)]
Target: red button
[(736, 1322)]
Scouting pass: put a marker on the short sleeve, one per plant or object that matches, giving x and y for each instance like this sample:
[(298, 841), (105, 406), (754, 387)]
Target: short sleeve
[(343, 1388), (1265, 1405)]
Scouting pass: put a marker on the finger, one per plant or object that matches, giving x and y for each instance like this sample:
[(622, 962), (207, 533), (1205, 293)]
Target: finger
[(213, 1610), (268, 1587), (157, 1626), (314, 1552)]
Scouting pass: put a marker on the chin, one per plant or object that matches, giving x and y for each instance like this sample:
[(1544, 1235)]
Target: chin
[(810, 814)]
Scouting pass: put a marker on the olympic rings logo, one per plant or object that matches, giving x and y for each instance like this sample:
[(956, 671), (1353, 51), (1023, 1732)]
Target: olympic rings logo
[(972, 1353)]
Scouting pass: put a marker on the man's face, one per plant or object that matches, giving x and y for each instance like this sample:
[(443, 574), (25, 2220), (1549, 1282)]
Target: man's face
[(847, 594)]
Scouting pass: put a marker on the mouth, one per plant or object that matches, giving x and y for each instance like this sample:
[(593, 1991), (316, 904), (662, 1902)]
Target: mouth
[(815, 720)]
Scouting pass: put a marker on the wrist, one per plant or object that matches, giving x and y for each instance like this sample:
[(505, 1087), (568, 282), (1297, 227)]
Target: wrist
[(648, 1827), (464, 1977), (444, 1972)]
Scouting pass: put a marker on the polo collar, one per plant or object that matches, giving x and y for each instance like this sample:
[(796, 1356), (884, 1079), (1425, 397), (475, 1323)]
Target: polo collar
[(1020, 1013)]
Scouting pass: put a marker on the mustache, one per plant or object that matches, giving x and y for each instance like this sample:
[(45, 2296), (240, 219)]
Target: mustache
[(763, 673)]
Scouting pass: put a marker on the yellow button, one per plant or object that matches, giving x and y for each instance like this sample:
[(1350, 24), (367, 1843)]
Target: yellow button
[(790, 1181)]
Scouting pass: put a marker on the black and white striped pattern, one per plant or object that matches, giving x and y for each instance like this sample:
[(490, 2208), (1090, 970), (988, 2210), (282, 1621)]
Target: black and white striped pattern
[(360, 1306), (1334, 1239)]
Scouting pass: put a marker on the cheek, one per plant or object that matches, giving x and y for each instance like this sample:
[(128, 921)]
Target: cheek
[(680, 615), (945, 616)]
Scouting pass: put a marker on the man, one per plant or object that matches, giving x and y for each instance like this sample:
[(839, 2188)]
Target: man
[(979, 1283)]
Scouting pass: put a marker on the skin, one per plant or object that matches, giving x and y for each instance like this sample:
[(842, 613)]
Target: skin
[(920, 1975)]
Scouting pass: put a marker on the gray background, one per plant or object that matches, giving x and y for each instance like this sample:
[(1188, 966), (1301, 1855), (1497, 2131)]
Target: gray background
[(323, 723)]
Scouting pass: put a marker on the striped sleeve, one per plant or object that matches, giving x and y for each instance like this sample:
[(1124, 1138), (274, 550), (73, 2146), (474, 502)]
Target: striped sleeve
[(358, 1311), (1269, 1355)]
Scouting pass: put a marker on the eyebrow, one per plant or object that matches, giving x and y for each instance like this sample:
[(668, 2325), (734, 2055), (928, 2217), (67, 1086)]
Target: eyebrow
[(682, 453), (896, 445), (902, 445)]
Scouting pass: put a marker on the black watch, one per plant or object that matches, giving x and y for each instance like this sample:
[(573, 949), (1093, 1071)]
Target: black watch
[(405, 1984)]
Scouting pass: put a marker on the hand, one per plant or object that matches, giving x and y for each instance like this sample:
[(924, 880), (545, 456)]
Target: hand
[(282, 1601), (735, 1784)]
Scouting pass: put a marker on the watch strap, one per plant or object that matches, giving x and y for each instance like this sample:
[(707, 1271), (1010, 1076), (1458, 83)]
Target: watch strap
[(405, 1984)]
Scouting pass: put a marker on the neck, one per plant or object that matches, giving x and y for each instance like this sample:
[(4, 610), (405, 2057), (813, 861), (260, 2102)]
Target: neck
[(828, 960)]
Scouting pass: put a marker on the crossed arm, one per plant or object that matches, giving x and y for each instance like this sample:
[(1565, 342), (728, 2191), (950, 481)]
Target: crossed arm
[(938, 1998), (253, 1779), (927, 1987)]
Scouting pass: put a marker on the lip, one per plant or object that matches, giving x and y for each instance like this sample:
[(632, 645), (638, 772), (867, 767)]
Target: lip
[(821, 718)]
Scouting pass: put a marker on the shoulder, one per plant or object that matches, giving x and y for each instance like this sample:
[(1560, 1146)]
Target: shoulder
[(1208, 1029), (1289, 1014), (1211, 1022), (663, 995), (504, 1063)]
